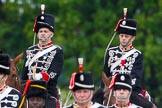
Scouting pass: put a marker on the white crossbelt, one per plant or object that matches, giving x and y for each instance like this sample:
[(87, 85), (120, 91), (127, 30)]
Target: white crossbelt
[(39, 54), (122, 58), (5, 93)]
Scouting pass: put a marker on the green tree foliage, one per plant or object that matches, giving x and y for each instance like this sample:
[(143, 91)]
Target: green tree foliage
[(84, 28)]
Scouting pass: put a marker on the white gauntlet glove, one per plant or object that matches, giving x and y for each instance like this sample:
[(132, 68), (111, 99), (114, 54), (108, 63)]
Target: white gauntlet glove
[(38, 76), (42, 75)]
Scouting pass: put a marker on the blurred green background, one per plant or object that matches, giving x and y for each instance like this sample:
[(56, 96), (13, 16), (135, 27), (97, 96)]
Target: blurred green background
[(83, 28)]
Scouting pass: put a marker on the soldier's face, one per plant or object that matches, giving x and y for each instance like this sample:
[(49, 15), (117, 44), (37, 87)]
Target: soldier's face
[(36, 102), (83, 96), (44, 35), (126, 40), (122, 96)]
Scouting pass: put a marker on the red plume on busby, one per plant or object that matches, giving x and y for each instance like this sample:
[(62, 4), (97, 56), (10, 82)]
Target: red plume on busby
[(81, 80), (80, 67)]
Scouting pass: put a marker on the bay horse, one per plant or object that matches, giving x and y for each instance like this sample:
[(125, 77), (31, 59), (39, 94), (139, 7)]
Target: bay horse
[(13, 79), (103, 95)]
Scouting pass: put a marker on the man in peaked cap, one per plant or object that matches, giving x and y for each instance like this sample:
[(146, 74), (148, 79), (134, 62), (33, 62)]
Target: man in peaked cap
[(44, 59), (82, 86), (125, 58), (37, 94), (122, 91), (9, 97)]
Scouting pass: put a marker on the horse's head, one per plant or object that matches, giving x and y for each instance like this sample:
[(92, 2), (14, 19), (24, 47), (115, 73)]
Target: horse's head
[(109, 99), (13, 79)]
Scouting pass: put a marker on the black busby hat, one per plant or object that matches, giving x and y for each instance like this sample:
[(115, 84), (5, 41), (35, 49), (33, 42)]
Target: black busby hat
[(83, 80), (123, 81), (5, 64), (127, 26), (44, 20), (37, 88)]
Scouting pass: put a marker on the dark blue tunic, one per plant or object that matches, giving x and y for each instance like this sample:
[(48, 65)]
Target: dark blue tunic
[(10, 98)]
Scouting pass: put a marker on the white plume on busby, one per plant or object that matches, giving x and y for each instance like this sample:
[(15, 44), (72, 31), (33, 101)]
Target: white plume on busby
[(82, 80), (37, 88), (127, 26), (4, 63)]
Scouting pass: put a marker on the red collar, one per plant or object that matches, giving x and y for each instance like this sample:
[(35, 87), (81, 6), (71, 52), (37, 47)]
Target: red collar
[(46, 45), (126, 48), (127, 105)]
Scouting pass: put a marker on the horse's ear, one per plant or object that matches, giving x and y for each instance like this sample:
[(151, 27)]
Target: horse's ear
[(17, 59), (105, 80)]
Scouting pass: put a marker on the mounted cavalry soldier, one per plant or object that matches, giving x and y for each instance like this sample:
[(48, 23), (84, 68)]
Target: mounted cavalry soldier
[(44, 59), (9, 97), (126, 58), (121, 83), (82, 88)]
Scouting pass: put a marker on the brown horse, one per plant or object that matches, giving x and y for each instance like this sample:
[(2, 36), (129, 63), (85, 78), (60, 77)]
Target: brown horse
[(102, 94), (13, 79)]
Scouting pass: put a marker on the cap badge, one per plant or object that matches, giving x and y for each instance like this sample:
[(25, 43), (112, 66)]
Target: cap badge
[(122, 78), (124, 23), (42, 17), (81, 78)]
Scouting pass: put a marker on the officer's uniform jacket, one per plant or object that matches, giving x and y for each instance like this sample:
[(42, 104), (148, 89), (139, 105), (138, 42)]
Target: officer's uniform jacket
[(133, 64), (10, 98), (51, 62)]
